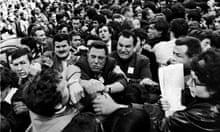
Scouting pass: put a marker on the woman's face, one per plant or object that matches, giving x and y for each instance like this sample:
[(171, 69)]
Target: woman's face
[(197, 89)]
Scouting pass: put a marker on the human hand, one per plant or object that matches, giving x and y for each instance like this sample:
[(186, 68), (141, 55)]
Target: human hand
[(92, 86), (118, 70), (165, 104), (147, 47), (104, 104), (76, 91), (148, 81), (19, 107)]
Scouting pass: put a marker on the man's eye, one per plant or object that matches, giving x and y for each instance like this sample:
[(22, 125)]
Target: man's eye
[(23, 62), (15, 64), (93, 56)]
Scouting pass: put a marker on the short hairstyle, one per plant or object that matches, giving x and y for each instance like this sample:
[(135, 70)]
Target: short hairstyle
[(179, 27), (207, 67), (41, 95), (100, 18), (62, 25), (178, 10), (104, 25), (128, 34), (202, 34), (88, 37), (8, 78), (61, 37), (192, 43), (18, 53), (160, 23), (36, 28), (99, 45), (141, 33)]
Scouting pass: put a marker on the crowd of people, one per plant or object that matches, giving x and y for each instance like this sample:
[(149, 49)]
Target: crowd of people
[(92, 65)]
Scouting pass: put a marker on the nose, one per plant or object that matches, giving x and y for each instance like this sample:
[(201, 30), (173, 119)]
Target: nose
[(123, 49), (19, 67), (96, 60), (172, 60)]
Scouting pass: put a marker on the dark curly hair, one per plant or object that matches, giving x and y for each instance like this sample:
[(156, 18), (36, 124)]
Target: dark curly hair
[(41, 95), (207, 67), (8, 78)]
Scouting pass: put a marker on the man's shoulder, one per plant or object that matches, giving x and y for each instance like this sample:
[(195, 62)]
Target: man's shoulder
[(164, 44), (141, 58)]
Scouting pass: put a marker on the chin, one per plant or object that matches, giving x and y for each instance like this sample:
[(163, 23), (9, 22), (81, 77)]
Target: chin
[(62, 56)]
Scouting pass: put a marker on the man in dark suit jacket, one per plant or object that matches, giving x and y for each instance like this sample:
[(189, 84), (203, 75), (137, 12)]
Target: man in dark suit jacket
[(105, 32), (135, 66)]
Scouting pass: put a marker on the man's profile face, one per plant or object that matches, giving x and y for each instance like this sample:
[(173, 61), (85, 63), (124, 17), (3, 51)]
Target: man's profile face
[(179, 55), (153, 32), (62, 49), (125, 47), (21, 66), (96, 59)]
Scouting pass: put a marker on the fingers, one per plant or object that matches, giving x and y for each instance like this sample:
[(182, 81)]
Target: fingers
[(19, 107), (148, 81), (165, 104)]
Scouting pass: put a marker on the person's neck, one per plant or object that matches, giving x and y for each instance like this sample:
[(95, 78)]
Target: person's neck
[(64, 58), (172, 37), (107, 41)]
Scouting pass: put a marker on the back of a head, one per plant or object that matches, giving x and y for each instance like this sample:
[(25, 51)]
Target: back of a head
[(41, 95), (179, 27), (178, 10)]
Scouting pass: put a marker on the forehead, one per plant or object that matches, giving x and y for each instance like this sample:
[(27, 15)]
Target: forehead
[(125, 41), (75, 20), (180, 49), (104, 28), (20, 59), (62, 43), (39, 32), (97, 52), (76, 36)]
